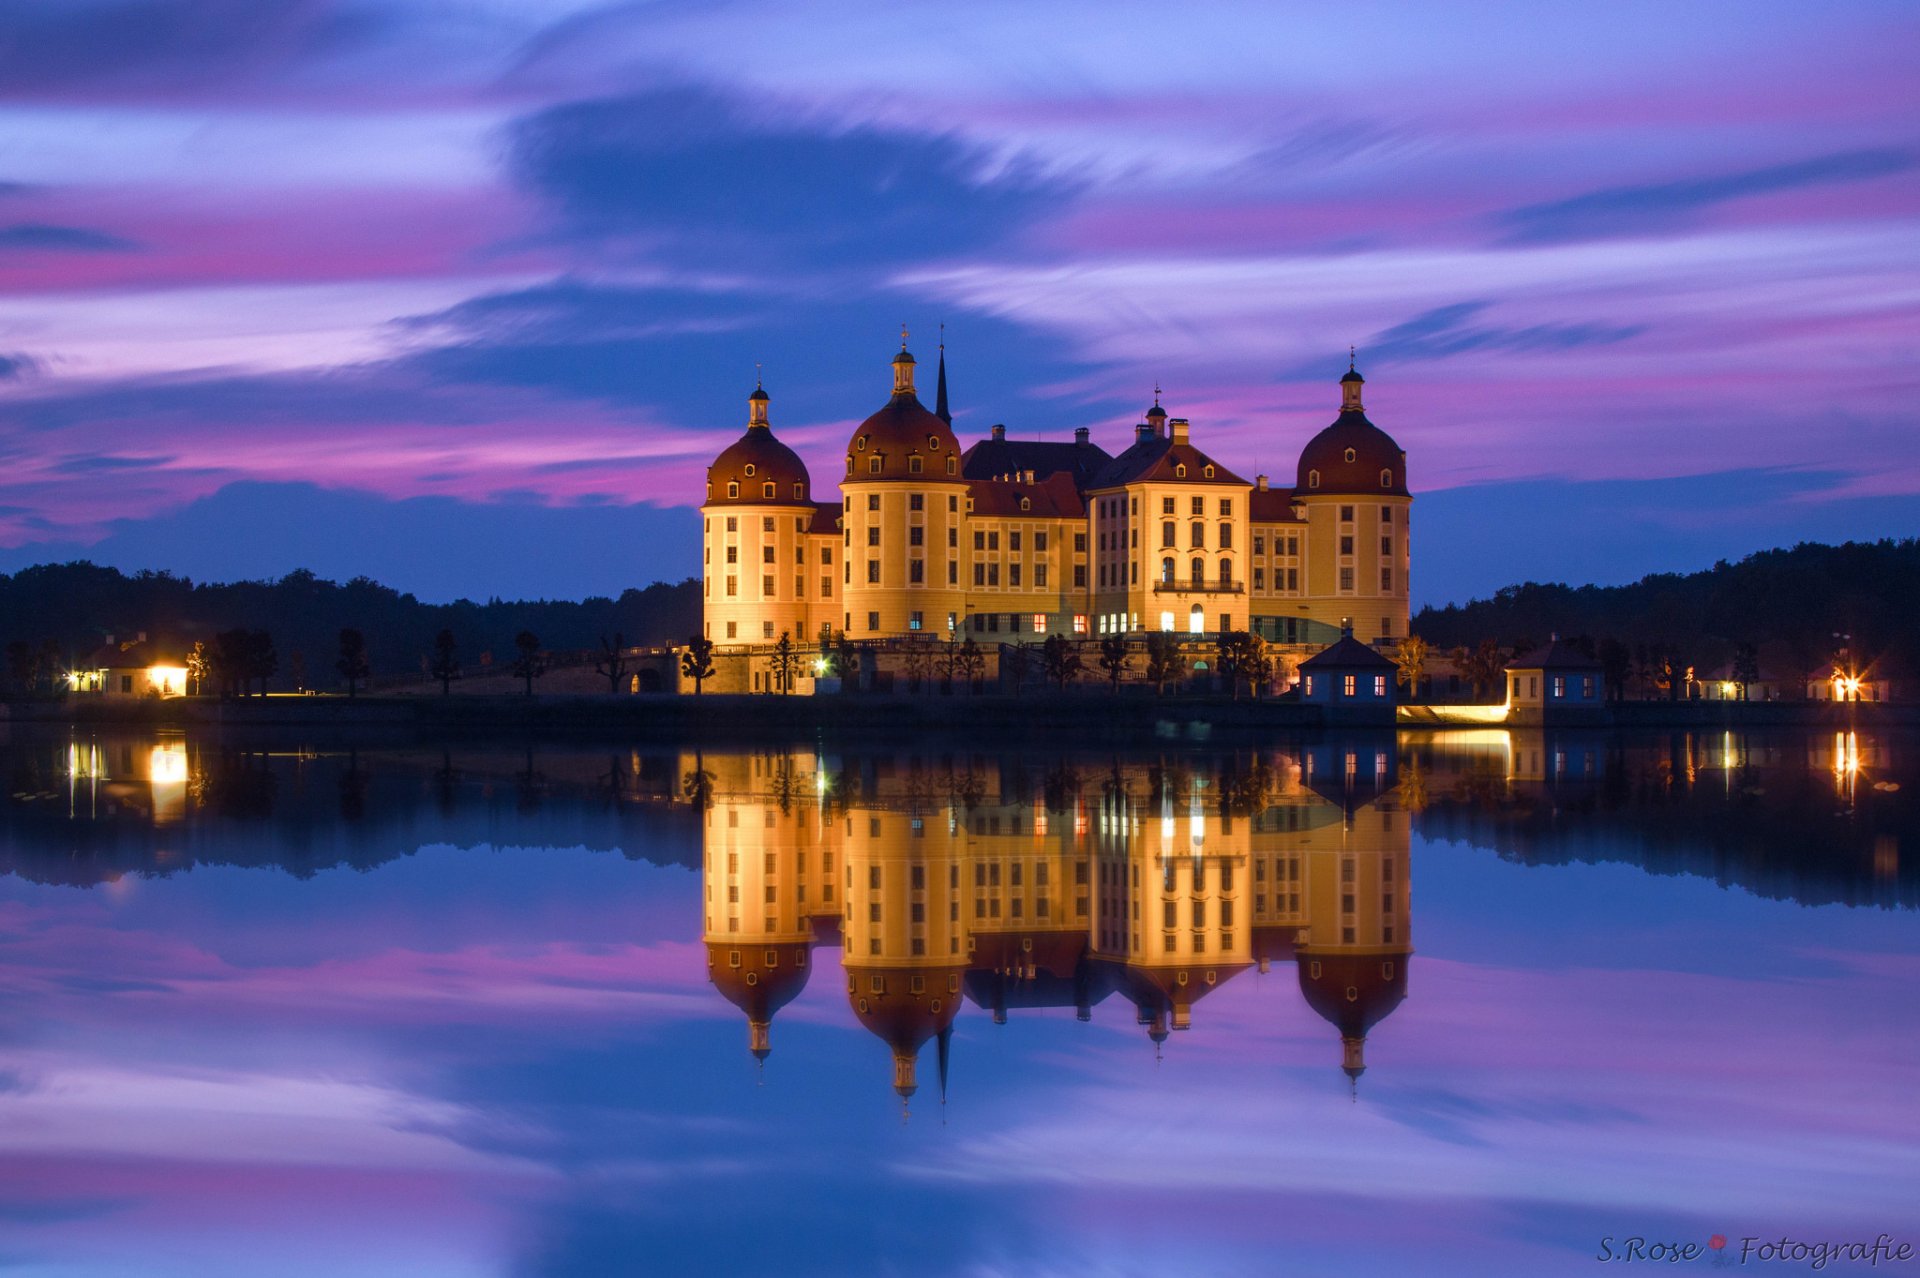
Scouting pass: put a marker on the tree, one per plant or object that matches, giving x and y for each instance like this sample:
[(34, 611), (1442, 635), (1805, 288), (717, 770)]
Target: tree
[(445, 665), (1746, 667), (1237, 654), (1060, 657), (696, 663), (785, 664), (262, 659), (352, 664), (1016, 663), (969, 662), (1114, 656), (612, 662), (846, 661), (199, 666), (1410, 658), (1616, 663), (1163, 660), (527, 664), (1484, 666), (230, 662), (921, 660), (297, 669)]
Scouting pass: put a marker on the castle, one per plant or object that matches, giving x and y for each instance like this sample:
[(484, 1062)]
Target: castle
[(1018, 540)]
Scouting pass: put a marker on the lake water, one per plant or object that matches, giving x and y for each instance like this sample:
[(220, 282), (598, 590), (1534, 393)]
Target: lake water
[(1469, 1003)]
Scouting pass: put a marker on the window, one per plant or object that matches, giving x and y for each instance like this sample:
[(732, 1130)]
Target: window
[(826, 554), (916, 571), (1386, 579), (953, 538), (1039, 628), (1167, 537), (1346, 514), (733, 629), (767, 489), (1586, 686), (1079, 543), (826, 587), (1379, 685), (1166, 622), (993, 574), (1386, 514), (979, 574), (873, 501), (1079, 623), (1226, 536), (1386, 547), (733, 554), (1313, 479), (1226, 572), (1226, 508), (1306, 686), (1040, 542), (1349, 455), (1013, 575), (1079, 576), (1197, 570), (1346, 578), (916, 535), (766, 632), (1348, 684), (733, 586), (1197, 536), (873, 465), (916, 501), (766, 554), (993, 541), (1346, 544), (873, 534), (1166, 571), (913, 464), (1196, 621), (979, 539), (1180, 471), (1386, 479), (766, 587), (1040, 576), (913, 623), (953, 503), (1259, 578), (873, 621), (1013, 541), (1559, 685), (873, 571)]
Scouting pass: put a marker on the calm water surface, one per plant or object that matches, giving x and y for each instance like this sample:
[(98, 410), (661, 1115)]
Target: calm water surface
[(1455, 1004)]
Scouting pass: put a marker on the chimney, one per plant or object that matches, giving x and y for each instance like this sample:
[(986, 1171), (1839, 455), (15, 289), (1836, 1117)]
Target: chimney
[(999, 430), (1142, 432), (1260, 482), (1081, 435), (1178, 426)]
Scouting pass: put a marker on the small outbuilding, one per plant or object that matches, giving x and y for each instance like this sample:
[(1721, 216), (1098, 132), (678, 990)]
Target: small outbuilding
[(1556, 682), (1352, 682)]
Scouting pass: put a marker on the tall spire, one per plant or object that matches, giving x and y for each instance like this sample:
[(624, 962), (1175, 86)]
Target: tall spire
[(940, 397)]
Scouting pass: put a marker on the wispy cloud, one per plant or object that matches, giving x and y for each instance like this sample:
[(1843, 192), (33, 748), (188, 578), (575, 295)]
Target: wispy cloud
[(1662, 206), (65, 239)]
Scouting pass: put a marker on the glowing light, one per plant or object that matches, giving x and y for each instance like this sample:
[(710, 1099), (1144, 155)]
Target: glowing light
[(171, 681), (167, 763)]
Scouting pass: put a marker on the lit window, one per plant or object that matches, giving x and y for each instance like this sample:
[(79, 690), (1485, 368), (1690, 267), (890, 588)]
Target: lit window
[(1079, 623), (1348, 685), (1039, 623)]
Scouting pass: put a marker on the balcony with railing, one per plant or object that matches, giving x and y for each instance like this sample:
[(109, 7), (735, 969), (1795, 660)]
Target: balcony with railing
[(1198, 586)]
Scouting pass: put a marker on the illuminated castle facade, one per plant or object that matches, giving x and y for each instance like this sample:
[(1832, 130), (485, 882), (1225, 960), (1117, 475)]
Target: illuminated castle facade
[(1021, 540)]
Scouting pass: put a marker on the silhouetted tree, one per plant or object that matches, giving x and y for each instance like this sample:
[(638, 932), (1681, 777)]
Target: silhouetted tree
[(1061, 659), (1746, 667), (527, 663), (696, 663), (199, 667), (846, 662), (612, 661), (352, 664), (445, 665), (785, 664), (1163, 660), (1016, 663), (262, 659), (968, 662), (1114, 656), (1616, 663)]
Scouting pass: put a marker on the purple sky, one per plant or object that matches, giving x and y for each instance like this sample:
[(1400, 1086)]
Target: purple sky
[(464, 295)]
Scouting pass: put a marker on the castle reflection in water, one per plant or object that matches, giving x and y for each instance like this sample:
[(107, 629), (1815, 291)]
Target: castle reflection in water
[(1152, 883)]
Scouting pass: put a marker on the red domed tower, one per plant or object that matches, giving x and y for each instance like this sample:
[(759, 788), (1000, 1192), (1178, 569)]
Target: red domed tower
[(754, 524), (1352, 489), (902, 513)]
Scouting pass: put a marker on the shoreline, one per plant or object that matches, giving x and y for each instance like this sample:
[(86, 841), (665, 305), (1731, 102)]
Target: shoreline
[(1086, 717)]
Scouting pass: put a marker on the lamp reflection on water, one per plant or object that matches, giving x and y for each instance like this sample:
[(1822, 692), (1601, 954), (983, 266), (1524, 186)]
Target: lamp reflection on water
[(167, 774)]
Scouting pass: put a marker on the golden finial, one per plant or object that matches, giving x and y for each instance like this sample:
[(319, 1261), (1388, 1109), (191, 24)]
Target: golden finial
[(1351, 356), (756, 376), (903, 335), (1156, 392)]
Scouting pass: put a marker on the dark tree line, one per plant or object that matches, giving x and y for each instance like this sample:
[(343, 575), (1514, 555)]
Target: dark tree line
[(59, 613), (1792, 608)]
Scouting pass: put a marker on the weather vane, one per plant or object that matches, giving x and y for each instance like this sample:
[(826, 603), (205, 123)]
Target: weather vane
[(1350, 358), (903, 336), (756, 375)]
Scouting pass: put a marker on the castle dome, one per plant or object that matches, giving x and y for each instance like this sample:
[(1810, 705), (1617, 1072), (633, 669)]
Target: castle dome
[(904, 1007), (1353, 993), (887, 444), (759, 980), (1352, 457), (757, 469)]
